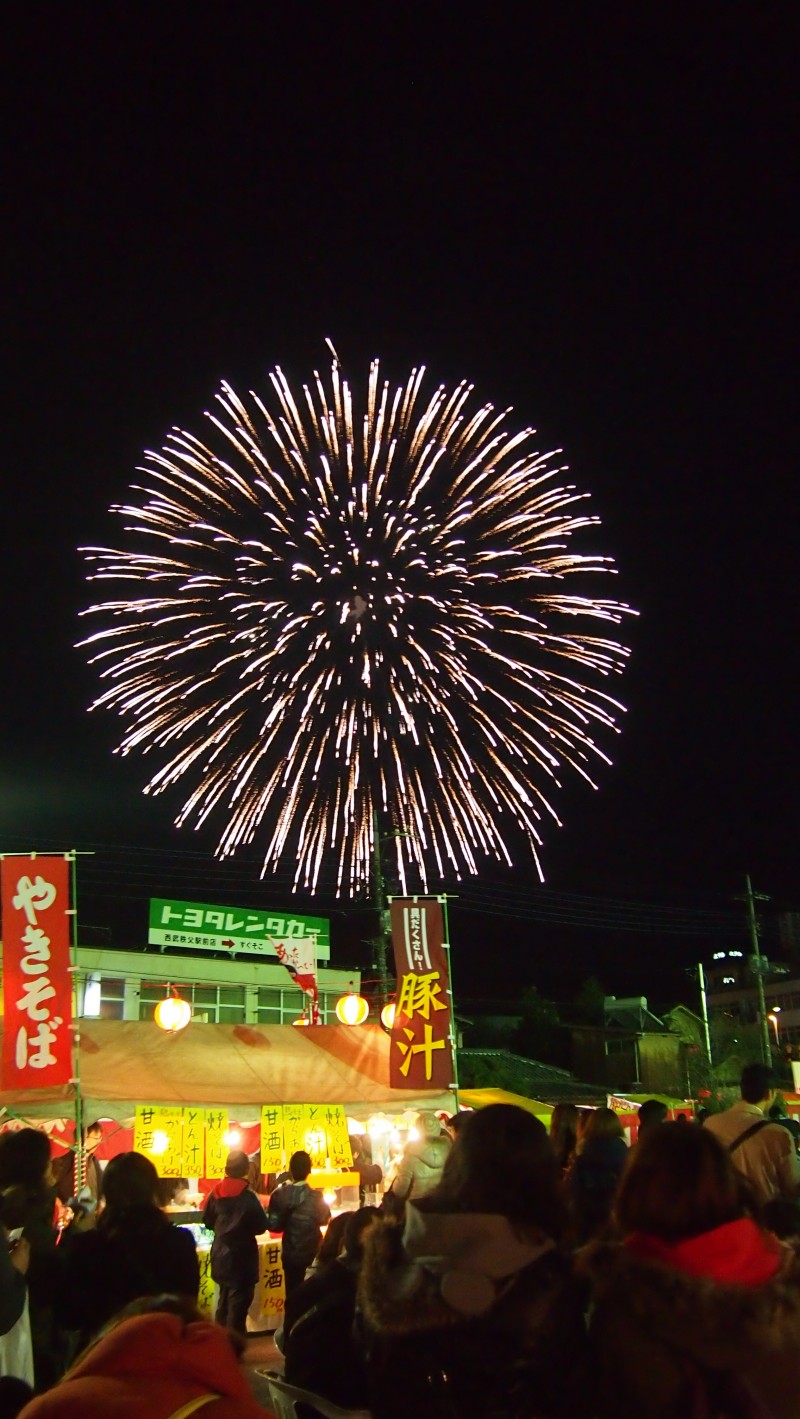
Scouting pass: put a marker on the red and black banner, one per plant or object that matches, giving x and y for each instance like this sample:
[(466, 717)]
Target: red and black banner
[(421, 1049), (37, 991)]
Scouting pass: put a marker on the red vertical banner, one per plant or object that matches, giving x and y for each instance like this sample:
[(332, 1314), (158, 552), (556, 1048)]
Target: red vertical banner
[(421, 1049), (37, 990)]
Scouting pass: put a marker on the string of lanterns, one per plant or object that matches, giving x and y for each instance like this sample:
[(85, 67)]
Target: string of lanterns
[(173, 1013)]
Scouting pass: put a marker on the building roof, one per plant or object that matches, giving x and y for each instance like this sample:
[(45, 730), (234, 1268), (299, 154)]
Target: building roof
[(528, 1076)]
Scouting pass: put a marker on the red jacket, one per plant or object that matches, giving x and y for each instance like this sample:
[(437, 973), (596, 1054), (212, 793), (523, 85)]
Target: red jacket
[(146, 1369)]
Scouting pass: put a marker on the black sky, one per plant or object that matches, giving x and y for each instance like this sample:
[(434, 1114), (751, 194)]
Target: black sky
[(588, 211)]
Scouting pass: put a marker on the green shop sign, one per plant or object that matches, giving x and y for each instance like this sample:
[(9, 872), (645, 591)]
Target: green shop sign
[(198, 927)]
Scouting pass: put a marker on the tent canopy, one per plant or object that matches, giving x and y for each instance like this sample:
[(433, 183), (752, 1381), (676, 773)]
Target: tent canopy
[(479, 1098), (129, 1062)]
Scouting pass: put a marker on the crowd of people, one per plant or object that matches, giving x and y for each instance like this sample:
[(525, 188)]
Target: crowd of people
[(509, 1273)]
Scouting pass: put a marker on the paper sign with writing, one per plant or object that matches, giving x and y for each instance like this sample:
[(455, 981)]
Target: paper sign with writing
[(272, 1146), (340, 1153), (158, 1132), (217, 1150), (37, 993), (271, 1289), (295, 1124), (194, 1145)]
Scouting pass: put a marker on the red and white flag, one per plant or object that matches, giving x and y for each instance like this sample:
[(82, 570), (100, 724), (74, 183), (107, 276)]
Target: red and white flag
[(299, 956), (37, 991)]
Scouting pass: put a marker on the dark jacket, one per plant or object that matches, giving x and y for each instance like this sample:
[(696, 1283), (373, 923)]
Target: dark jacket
[(461, 1318), (236, 1217), (138, 1254), (299, 1211), (661, 1335), (591, 1184), (318, 1342)]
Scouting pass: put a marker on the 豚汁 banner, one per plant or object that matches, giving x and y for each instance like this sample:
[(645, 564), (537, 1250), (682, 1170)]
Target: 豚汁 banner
[(37, 990), (421, 1049)]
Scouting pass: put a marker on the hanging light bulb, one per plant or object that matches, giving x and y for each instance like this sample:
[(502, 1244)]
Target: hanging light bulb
[(387, 1015), (173, 1013)]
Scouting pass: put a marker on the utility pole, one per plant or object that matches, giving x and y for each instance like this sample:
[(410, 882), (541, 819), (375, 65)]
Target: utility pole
[(701, 976), (379, 899), (759, 964)]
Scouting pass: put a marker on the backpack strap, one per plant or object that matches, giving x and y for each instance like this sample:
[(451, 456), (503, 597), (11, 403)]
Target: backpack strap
[(750, 1133), (192, 1405)]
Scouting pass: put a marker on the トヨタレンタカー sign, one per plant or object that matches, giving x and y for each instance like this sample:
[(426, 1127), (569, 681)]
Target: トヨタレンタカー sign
[(197, 926), (422, 1047), (37, 992)]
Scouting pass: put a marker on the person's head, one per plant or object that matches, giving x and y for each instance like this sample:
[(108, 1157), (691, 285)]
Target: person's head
[(355, 1227), (237, 1164), (602, 1123), (455, 1123), (564, 1127), (14, 1395), (92, 1137), (332, 1243), (503, 1162), (130, 1180), (651, 1113), (758, 1084), (182, 1307), (428, 1125), (24, 1158), (679, 1182), (299, 1165)]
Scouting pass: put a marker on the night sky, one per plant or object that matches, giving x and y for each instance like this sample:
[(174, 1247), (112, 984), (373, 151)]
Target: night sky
[(590, 212)]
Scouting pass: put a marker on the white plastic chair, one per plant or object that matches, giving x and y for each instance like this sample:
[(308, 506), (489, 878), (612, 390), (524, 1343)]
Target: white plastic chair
[(286, 1398)]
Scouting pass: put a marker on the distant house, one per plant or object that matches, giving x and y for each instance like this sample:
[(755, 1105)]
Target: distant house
[(501, 1069), (633, 1050)]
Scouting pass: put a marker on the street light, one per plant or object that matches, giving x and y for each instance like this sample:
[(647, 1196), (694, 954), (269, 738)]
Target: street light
[(773, 1016)]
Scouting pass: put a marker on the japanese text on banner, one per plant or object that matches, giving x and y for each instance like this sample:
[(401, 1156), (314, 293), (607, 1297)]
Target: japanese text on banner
[(158, 1132), (421, 1047), (216, 1127), (193, 1165), (340, 1153), (272, 1145), (37, 992)]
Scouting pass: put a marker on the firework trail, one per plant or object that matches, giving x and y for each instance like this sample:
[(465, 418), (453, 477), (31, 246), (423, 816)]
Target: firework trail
[(330, 609)]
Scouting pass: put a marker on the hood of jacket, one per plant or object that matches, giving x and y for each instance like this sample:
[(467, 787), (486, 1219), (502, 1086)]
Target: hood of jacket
[(150, 1365), (230, 1187), (430, 1152), (436, 1269), (710, 1321)]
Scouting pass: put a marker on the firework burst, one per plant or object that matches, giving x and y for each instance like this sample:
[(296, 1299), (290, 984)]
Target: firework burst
[(329, 610)]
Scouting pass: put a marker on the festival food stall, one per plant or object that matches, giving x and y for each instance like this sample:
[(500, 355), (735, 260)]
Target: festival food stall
[(185, 1098), (628, 1105)]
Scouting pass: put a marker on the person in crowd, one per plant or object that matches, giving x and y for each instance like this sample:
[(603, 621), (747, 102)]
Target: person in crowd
[(64, 1167), (454, 1123), (696, 1311), (14, 1395), (369, 1174), (763, 1151), (130, 1250), (650, 1114), (466, 1304), (318, 1343), (423, 1160), (157, 1357), (16, 1352), (332, 1244), (592, 1181), (564, 1134), (779, 1114), (235, 1216), (299, 1212), (25, 1173)]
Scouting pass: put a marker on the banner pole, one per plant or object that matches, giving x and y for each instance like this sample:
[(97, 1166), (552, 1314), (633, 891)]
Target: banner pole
[(79, 1164), (453, 1036)]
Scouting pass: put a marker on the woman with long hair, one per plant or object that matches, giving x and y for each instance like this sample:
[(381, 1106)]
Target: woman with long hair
[(132, 1251), (468, 1294), (564, 1133), (697, 1309), (593, 1178)]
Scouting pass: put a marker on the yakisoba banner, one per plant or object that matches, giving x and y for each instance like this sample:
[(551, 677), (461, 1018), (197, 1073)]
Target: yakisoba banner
[(37, 992), (421, 1051)]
